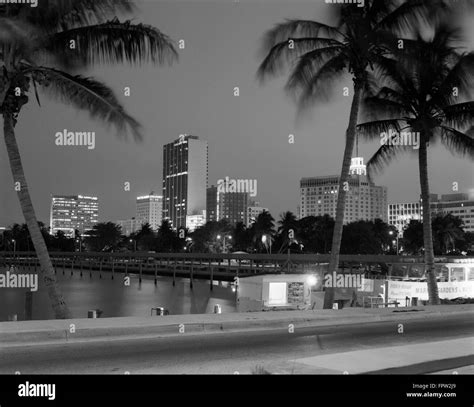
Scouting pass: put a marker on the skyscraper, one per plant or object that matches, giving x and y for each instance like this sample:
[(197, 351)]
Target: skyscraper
[(149, 210), (364, 200), (185, 163), (231, 206), (71, 212)]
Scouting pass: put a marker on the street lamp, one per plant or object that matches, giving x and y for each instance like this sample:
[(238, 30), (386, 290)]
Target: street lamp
[(394, 241), (219, 237), (14, 246), (134, 244), (264, 241)]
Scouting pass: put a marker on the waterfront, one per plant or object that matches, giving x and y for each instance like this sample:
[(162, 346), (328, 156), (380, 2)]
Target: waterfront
[(116, 299)]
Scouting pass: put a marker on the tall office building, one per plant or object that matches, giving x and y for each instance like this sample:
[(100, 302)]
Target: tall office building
[(364, 200), (185, 163), (71, 212), (149, 210), (231, 206), (400, 214)]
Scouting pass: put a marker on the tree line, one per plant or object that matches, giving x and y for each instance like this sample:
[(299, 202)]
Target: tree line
[(309, 235)]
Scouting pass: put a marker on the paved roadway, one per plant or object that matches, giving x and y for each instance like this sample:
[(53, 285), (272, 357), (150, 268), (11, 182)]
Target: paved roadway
[(227, 353)]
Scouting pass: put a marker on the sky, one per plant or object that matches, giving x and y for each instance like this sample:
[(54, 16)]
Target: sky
[(248, 135)]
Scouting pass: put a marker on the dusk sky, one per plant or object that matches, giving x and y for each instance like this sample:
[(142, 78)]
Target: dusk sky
[(247, 135)]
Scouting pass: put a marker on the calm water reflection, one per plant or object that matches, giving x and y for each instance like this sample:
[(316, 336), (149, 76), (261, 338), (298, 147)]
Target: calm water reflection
[(117, 300)]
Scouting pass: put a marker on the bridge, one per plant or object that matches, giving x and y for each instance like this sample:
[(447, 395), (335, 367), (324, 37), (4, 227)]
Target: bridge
[(219, 267)]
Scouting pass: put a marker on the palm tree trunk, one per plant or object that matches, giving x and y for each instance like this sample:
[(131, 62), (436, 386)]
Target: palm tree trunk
[(341, 197), (427, 231), (59, 306)]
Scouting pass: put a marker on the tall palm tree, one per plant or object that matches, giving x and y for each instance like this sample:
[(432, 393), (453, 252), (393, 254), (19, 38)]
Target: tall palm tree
[(320, 54), (428, 92), (287, 222), (42, 48)]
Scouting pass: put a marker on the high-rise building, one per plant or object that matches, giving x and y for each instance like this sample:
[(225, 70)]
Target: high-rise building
[(185, 163), (71, 212), (460, 205), (149, 210), (400, 214), (364, 200), (211, 204), (231, 206)]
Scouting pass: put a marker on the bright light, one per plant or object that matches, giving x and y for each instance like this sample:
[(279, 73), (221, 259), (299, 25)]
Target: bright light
[(311, 281), (229, 237), (218, 237), (264, 238), (391, 232)]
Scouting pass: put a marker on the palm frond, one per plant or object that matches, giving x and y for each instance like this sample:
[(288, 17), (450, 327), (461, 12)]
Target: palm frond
[(53, 15), (457, 142), (297, 28), (383, 157), (281, 55), (411, 13), (320, 85), (113, 42), (87, 94), (459, 115), (460, 77), (374, 129), (374, 108), (308, 65)]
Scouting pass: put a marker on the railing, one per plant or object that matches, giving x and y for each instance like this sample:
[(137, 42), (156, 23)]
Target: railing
[(222, 267)]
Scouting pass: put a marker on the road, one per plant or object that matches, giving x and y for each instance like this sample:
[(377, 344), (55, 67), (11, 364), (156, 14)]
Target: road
[(226, 353)]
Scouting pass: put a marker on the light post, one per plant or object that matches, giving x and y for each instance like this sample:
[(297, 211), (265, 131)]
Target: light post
[(264, 241), (14, 246), (394, 241), (134, 244), (219, 237)]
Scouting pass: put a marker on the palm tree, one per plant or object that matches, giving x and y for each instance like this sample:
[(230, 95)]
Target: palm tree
[(41, 48), (103, 236), (426, 93), (263, 226), (320, 54), (447, 230)]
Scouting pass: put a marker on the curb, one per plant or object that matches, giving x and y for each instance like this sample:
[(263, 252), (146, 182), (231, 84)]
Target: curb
[(64, 334)]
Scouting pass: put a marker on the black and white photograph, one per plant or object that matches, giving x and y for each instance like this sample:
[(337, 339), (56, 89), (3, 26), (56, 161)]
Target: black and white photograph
[(251, 200)]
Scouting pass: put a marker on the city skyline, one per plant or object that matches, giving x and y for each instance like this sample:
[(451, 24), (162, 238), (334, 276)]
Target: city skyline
[(245, 135)]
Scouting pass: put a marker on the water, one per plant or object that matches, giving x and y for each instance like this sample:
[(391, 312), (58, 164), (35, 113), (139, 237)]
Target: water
[(116, 299)]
